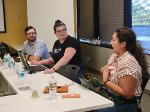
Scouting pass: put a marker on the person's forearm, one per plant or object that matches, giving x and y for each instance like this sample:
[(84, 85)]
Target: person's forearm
[(117, 89), (46, 61), (61, 62), (68, 55)]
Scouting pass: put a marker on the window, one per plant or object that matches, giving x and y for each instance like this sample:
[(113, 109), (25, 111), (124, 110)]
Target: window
[(102, 17), (141, 22), (85, 20), (99, 18)]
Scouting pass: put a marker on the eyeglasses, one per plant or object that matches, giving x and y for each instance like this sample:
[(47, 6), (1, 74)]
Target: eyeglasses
[(61, 31)]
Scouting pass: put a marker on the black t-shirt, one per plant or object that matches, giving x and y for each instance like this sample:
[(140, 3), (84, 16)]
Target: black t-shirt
[(59, 49)]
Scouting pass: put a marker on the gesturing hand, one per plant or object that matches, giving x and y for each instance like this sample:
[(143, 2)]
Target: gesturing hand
[(106, 74), (103, 68)]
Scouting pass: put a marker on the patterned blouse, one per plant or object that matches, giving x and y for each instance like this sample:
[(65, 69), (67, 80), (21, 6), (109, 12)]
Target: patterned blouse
[(125, 65)]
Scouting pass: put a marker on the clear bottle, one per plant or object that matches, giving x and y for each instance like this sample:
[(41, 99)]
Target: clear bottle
[(5, 60), (12, 63), (98, 41), (8, 60), (1, 62), (53, 89), (35, 94), (98, 38), (21, 79)]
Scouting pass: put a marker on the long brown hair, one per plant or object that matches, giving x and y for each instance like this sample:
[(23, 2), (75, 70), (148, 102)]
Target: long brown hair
[(127, 35)]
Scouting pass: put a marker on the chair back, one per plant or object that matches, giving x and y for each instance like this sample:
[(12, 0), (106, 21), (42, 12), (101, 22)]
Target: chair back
[(145, 79), (70, 71)]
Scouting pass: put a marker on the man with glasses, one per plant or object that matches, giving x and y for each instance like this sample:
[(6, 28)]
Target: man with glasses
[(66, 49), (34, 48)]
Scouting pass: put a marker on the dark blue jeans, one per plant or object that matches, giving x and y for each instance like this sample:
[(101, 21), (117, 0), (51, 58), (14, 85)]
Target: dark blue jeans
[(126, 107), (123, 107)]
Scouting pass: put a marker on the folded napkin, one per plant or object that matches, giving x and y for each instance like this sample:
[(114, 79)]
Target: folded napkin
[(71, 95)]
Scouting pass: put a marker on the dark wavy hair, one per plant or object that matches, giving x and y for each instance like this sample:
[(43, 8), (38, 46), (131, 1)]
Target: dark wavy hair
[(57, 24), (127, 35), (28, 28)]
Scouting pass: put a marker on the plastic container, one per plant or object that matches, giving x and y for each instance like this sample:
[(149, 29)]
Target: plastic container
[(53, 89)]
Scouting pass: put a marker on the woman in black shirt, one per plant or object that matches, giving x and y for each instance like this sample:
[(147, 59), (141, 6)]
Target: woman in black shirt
[(66, 49)]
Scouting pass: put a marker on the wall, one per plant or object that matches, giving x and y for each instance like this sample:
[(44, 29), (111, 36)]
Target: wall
[(96, 57), (16, 20), (42, 15)]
